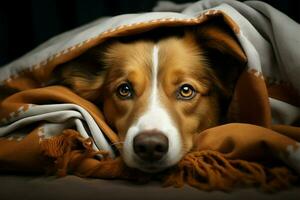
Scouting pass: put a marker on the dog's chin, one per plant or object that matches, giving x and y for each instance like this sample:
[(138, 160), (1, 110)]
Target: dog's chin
[(149, 167)]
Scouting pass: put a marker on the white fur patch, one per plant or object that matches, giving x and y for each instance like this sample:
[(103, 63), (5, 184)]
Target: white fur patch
[(155, 117)]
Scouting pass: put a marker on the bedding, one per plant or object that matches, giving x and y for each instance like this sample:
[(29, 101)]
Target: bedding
[(48, 128), (73, 187)]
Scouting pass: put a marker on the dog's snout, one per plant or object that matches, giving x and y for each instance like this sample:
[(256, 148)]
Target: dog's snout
[(151, 145)]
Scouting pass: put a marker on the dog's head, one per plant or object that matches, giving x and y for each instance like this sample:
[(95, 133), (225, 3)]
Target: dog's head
[(157, 93)]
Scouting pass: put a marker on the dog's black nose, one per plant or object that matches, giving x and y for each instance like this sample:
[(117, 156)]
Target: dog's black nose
[(150, 145)]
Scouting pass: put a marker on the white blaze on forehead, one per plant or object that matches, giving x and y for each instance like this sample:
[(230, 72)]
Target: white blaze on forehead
[(155, 117), (154, 98), (151, 119)]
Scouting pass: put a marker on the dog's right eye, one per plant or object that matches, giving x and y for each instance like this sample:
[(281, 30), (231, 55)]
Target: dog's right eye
[(125, 91)]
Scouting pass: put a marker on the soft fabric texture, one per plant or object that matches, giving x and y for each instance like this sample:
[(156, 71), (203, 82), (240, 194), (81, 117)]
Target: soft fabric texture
[(48, 128), (16, 187)]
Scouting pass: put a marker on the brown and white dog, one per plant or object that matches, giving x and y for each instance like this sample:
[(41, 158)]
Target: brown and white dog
[(158, 90)]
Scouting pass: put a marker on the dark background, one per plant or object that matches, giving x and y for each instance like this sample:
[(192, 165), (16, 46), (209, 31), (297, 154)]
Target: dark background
[(24, 24)]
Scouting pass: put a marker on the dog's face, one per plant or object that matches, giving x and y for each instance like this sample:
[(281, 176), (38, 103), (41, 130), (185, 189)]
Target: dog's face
[(155, 94)]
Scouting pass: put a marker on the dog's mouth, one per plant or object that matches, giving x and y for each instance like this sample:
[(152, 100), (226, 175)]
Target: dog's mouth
[(151, 169), (150, 166)]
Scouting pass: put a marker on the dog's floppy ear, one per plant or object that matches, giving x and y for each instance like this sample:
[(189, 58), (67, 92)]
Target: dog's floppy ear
[(225, 54), (84, 74)]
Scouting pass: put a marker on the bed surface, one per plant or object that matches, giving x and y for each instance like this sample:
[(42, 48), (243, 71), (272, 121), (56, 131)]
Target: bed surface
[(72, 187)]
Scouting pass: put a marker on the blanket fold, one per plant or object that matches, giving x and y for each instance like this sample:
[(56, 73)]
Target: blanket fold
[(48, 128)]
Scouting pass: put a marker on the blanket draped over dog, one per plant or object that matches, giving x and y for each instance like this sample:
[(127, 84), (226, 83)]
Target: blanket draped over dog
[(48, 128)]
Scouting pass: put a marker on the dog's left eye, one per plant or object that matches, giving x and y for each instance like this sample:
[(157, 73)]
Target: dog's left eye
[(125, 91), (186, 92)]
